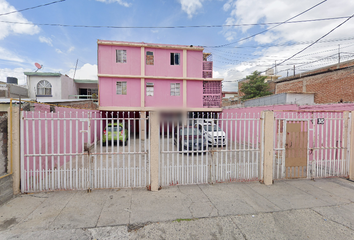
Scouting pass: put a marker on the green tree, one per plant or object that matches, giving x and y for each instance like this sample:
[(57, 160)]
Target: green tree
[(255, 87)]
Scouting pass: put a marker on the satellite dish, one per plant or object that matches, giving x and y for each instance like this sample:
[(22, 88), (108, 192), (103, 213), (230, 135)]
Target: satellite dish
[(38, 66)]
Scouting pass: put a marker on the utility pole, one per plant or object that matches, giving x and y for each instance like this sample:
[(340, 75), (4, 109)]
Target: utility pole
[(75, 68), (294, 70), (275, 68)]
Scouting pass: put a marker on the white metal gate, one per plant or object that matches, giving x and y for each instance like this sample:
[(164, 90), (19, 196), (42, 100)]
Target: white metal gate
[(328, 143), (76, 149), (210, 147)]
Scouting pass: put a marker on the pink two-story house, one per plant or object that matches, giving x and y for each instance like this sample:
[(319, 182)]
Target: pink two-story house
[(145, 77)]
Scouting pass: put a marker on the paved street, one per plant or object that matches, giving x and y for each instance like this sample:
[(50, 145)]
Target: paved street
[(294, 209)]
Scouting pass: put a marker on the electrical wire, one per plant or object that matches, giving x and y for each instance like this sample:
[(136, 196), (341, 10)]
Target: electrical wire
[(29, 8), (333, 29), (172, 27), (242, 39)]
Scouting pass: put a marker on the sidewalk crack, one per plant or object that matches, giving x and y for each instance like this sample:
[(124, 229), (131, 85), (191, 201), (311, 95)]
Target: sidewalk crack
[(189, 207), (217, 210), (61, 210), (244, 235), (99, 216), (331, 219)]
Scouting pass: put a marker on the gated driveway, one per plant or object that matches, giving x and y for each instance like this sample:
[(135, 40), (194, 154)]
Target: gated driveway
[(289, 209)]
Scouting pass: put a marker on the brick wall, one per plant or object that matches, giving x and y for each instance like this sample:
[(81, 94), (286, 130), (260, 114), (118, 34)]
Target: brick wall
[(329, 87)]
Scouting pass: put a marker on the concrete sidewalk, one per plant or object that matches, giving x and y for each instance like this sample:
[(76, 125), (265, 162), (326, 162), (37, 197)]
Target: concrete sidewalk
[(293, 209)]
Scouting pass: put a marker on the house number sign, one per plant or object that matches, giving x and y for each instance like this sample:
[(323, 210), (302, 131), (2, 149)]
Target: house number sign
[(320, 120)]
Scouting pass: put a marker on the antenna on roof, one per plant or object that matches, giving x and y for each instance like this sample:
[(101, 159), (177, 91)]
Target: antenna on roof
[(38, 66)]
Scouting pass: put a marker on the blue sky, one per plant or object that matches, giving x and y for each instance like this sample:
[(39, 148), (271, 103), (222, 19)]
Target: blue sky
[(58, 48)]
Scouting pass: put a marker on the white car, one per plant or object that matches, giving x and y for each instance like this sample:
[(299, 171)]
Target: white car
[(214, 135)]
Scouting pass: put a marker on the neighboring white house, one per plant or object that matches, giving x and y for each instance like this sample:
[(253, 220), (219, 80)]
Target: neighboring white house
[(51, 86)]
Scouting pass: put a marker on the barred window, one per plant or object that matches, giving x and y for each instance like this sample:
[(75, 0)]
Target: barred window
[(44, 88), (175, 89), (149, 89), (121, 56), (121, 88)]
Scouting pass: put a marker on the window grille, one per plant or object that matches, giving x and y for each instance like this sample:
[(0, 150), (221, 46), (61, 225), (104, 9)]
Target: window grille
[(149, 89), (121, 88), (121, 56), (44, 88), (175, 89)]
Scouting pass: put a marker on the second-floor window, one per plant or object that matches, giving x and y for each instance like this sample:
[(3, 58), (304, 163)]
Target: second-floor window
[(149, 58), (121, 56), (174, 58), (149, 89), (44, 88), (121, 88), (175, 89)]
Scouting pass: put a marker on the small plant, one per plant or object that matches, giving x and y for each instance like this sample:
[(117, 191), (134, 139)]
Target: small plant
[(183, 219)]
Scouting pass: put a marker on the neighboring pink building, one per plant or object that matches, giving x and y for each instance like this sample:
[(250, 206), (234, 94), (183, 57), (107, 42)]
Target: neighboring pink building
[(145, 77)]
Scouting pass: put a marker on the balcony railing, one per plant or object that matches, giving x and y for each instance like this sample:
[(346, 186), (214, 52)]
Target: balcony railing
[(94, 98)]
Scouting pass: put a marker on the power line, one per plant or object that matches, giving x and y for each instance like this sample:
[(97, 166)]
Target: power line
[(291, 44), (314, 42), (242, 39), (29, 8), (172, 27)]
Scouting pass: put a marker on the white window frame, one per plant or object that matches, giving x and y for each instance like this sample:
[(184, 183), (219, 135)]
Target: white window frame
[(121, 88), (175, 89), (121, 56), (44, 88), (149, 89), (174, 58)]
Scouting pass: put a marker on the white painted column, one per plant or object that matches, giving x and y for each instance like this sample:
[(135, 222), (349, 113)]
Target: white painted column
[(351, 149), (154, 150)]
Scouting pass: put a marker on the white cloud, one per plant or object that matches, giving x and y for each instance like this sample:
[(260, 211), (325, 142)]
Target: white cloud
[(252, 11), (191, 6), (9, 55), (87, 71), (58, 51), (16, 72), (120, 2), (46, 40), (6, 28), (71, 49)]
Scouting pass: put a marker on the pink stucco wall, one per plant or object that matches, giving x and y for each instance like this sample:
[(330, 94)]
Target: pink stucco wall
[(162, 96), (195, 94), (162, 66), (108, 92), (107, 60), (194, 64)]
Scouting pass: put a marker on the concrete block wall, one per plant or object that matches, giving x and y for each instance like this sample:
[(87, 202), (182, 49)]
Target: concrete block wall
[(6, 191)]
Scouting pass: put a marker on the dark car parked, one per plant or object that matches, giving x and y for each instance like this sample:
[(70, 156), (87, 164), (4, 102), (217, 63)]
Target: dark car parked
[(189, 138)]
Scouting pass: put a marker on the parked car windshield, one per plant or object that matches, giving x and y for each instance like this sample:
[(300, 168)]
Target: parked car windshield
[(190, 131), (214, 128)]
